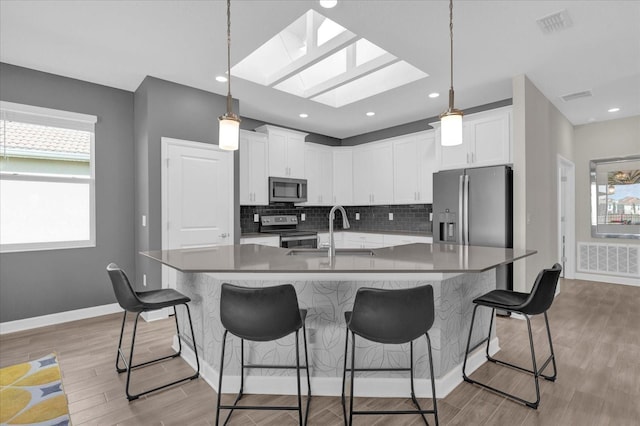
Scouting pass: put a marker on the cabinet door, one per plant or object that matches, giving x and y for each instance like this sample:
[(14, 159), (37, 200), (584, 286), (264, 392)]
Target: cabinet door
[(313, 168), (245, 171), (491, 138), (362, 175), (381, 174), (295, 156), (427, 166), (406, 165), (259, 178), (455, 157), (278, 154), (325, 159), (343, 177)]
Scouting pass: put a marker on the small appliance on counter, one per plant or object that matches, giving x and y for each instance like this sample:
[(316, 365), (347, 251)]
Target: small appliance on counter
[(287, 227), (287, 190)]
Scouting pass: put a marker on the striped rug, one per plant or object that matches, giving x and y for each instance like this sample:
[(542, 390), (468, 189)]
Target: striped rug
[(32, 394)]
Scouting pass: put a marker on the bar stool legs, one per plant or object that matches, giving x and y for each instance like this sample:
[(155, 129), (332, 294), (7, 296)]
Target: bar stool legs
[(243, 365), (419, 409), (535, 371), (128, 364)]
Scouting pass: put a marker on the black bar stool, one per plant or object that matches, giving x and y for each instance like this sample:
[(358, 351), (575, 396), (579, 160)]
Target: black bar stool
[(390, 317), (262, 315), (534, 303), (138, 302)]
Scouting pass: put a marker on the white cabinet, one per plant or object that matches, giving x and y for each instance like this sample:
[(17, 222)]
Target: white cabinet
[(414, 165), (398, 240), (286, 151), (342, 176), (486, 141), (373, 174), (254, 185), (319, 171), (273, 241)]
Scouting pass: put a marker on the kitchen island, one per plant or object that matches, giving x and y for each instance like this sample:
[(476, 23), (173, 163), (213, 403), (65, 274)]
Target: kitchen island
[(327, 288)]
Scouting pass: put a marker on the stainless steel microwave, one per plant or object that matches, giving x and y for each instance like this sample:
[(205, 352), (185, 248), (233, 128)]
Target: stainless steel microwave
[(286, 190)]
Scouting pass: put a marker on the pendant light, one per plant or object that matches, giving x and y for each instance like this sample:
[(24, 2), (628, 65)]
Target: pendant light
[(229, 122), (451, 119)]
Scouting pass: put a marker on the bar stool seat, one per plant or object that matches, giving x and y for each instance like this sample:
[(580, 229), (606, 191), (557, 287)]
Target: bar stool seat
[(390, 317), (262, 315), (144, 301), (534, 303)]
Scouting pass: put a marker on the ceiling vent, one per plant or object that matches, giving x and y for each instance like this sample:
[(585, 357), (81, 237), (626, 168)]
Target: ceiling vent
[(555, 22), (577, 95)]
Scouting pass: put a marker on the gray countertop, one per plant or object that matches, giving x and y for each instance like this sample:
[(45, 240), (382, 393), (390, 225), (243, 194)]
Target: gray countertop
[(410, 258), (387, 232)]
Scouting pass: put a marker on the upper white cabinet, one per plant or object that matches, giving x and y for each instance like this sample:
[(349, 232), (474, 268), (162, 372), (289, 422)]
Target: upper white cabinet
[(254, 189), (342, 176), (286, 151), (373, 174), (486, 141), (413, 167), (319, 172)]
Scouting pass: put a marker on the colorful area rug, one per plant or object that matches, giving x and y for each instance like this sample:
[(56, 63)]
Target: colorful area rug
[(32, 394)]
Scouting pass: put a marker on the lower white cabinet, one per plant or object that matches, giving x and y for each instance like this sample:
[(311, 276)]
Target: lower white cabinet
[(398, 240), (347, 239), (272, 241), (362, 240)]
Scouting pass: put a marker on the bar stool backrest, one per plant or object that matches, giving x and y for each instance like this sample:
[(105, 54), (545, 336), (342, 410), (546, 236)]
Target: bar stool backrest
[(392, 316), (260, 313), (543, 291), (125, 294)]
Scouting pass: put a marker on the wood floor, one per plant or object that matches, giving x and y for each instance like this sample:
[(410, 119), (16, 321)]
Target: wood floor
[(596, 335)]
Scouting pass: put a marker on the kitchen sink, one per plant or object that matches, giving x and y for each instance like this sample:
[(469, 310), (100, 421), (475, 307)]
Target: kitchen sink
[(324, 252)]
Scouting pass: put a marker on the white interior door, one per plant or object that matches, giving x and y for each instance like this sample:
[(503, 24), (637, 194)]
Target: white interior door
[(566, 217), (197, 204)]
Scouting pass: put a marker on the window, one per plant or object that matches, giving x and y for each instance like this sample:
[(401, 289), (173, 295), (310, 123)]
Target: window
[(47, 179)]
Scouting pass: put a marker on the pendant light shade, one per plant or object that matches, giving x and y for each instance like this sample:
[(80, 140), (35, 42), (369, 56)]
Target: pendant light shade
[(229, 123), (451, 119)]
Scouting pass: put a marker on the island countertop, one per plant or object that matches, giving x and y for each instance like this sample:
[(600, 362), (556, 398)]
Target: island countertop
[(409, 258)]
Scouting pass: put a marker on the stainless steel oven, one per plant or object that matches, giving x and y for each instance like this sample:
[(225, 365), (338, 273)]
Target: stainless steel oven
[(287, 227)]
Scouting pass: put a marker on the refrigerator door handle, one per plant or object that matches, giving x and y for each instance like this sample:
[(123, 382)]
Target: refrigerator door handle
[(461, 210), (466, 209)]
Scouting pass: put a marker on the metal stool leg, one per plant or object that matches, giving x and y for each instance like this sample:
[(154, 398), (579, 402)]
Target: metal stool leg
[(224, 342), (553, 377), (130, 364), (306, 361), (298, 379), (119, 354), (353, 373), (344, 375), (433, 380), (413, 393)]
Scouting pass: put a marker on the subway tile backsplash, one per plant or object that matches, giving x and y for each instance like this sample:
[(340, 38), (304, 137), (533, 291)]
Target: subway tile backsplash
[(406, 218)]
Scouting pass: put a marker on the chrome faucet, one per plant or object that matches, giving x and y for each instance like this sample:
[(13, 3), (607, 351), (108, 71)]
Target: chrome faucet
[(345, 225)]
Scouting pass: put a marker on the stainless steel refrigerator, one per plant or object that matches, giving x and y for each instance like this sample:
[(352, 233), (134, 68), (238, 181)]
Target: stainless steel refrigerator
[(475, 207)]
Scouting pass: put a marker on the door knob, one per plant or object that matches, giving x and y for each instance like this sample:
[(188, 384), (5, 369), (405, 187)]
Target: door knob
[(225, 235)]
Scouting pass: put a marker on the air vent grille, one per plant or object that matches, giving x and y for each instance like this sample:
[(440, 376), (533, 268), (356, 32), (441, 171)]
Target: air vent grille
[(577, 95), (555, 22)]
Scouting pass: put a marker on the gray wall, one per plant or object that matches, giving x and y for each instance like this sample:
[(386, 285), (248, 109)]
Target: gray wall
[(166, 109), (44, 282)]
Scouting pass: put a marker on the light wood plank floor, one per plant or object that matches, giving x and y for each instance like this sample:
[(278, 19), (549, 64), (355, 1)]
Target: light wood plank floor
[(596, 334)]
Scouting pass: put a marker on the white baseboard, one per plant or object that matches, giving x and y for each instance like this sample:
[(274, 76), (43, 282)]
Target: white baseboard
[(58, 318), (635, 282), (332, 386), (155, 315)]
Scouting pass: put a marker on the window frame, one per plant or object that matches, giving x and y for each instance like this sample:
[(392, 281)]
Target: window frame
[(10, 111)]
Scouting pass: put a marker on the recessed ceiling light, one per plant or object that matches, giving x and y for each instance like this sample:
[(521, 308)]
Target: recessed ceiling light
[(328, 4), (303, 115), (221, 79), (371, 114), (434, 95), (613, 109)]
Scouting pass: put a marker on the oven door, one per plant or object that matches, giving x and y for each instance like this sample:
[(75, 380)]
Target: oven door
[(309, 241)]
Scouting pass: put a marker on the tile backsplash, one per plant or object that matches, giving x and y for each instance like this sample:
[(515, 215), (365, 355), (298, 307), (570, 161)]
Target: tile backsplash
[(406, 218)]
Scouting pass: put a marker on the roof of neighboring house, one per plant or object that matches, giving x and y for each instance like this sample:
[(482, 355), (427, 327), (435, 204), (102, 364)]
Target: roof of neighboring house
[(629, 200), (33, 140)]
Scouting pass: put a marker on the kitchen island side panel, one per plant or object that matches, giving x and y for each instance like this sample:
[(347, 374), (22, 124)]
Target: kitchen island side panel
[(326, 302)]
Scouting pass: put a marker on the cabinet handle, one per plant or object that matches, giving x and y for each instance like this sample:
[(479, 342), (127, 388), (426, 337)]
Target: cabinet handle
[(468, 157), (473, 157), (419, 197)]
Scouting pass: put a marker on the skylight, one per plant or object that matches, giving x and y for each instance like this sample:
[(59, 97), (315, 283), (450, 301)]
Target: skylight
[(318, 59)]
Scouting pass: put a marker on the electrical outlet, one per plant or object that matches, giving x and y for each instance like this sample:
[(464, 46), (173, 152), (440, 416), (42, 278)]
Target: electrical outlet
[(357, 216), (430, 216), (144, 220), (144, 280), (390, 216), (256, 217), (303, 217)]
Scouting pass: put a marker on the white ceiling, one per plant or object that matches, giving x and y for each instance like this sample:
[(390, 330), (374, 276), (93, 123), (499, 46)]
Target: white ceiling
[(118, 43)]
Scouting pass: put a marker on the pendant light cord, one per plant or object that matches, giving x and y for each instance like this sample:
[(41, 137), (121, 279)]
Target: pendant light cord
[(229, 99), (451, 56)]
